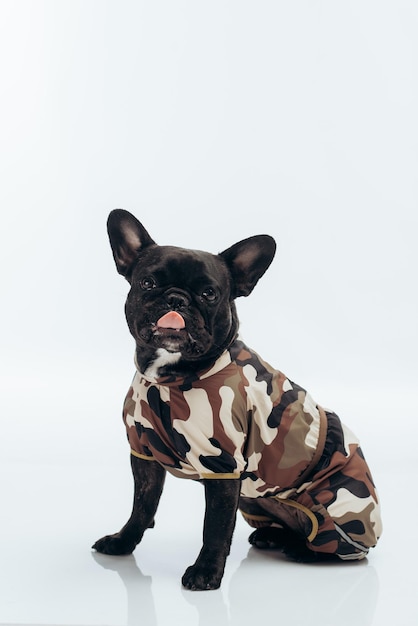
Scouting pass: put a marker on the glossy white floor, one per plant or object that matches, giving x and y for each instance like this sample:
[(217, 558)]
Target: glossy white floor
[(60, 493)]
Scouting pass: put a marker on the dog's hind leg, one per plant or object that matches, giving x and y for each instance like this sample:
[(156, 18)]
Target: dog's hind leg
[(280, 526), (149, 481)]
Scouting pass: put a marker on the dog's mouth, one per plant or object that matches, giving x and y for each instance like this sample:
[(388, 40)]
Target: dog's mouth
[(170, 332), (171, 321)]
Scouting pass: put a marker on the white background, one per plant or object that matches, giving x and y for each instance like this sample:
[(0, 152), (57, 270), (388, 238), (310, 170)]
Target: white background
[(211, 122)]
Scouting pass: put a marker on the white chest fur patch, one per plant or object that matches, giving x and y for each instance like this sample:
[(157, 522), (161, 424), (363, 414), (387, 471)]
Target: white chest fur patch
[(162, 359)]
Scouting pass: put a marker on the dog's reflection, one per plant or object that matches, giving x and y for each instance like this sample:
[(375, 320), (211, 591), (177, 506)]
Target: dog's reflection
[(326, 594), (140, 600), (210, 606), (265, 585)]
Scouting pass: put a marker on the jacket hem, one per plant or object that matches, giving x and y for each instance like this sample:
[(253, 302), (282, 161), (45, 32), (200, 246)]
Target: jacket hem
[(142, 456)]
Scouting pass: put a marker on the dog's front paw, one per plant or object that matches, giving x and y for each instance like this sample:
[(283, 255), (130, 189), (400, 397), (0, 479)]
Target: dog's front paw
[(205, 574), (116, 545), (199, 578)]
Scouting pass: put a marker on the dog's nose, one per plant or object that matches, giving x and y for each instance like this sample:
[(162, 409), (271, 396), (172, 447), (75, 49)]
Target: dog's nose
[(177, 300)]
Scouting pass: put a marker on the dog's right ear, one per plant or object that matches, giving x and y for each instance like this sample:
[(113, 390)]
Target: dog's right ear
[(127, 238)]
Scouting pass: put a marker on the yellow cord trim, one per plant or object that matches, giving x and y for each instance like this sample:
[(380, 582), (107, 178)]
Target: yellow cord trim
[(142, 456), (214, 476), (300, 507)]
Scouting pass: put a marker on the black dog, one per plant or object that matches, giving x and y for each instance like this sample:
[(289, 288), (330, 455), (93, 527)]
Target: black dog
[(203, 405)]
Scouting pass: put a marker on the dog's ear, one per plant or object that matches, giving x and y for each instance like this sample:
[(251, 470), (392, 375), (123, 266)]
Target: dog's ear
[(127, 238), (247, 261)]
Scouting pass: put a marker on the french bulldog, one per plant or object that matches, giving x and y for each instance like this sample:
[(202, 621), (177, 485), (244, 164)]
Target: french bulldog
[(204, 406)]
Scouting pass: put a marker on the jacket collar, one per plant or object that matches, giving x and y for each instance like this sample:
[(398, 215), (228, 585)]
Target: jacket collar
[(223, 361)]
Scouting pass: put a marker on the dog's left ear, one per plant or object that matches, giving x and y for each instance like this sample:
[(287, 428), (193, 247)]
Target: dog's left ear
[(247, 261)]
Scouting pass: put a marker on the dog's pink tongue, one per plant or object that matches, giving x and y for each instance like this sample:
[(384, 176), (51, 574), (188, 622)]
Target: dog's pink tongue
[(171, 320)]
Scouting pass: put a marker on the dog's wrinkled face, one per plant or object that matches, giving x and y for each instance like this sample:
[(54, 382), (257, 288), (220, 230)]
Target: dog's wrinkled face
[(180, 308), (179, 301)]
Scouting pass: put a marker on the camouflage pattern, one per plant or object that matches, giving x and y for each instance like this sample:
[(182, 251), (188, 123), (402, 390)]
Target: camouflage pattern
[(337, 510), (242, 419)]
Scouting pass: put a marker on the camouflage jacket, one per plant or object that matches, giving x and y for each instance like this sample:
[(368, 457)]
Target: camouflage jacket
[(239, 419)]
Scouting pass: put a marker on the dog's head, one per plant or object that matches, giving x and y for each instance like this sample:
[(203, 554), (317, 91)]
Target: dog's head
[(180, 308)]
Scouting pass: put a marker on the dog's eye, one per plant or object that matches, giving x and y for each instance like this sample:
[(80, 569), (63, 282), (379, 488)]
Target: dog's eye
[(209, 294), (148, 283)]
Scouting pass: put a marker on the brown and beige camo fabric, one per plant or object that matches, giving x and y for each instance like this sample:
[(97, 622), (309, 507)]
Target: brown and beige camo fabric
[(298, 465)]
